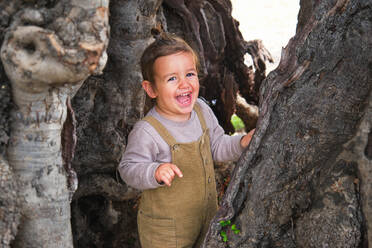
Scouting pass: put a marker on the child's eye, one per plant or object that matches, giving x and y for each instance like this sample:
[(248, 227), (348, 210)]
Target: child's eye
[(190, 74), (171, 79)]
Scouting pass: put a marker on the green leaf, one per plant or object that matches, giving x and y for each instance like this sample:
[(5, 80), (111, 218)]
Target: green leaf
[(237, 123), (225, 223), (235, 230), (224, 236)]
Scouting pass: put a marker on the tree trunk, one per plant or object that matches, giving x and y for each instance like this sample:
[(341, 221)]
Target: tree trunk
[(9, 202), (47, 53), (302, 182)]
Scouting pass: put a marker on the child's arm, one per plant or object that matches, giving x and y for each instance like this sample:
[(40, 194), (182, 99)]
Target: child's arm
[(165, 173), (224, 147), (140, 159)]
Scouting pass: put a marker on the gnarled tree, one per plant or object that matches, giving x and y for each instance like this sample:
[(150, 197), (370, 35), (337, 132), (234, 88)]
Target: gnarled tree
[(48, 51), (302, 182)]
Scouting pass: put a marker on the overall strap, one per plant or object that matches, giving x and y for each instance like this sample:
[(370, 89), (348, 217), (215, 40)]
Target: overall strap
[(200, 116), (160, 129)]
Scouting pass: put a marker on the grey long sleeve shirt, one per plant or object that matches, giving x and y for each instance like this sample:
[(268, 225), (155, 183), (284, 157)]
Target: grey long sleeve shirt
[(146, 149)]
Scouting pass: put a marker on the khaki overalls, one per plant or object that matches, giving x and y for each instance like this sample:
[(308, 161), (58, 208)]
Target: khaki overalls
[(178, 216)]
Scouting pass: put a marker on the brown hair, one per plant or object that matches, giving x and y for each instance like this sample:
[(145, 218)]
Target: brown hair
[(165, 44)]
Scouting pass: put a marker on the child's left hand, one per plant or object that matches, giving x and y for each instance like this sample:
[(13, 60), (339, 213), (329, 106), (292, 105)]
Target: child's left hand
[(246, 139)]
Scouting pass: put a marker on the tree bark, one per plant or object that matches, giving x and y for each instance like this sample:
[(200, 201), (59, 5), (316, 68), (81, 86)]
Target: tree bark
[(107, 107), (47, 53), (301, 183), (10, 204)]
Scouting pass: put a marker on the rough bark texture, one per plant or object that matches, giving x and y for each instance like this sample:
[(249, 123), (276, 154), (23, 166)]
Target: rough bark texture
[(299, 184), (9, 204), (359, 150), (104, 213), (48, 50)]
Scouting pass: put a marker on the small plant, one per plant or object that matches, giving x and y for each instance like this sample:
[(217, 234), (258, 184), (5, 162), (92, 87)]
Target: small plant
[(226, 224), (234, 229), (224, 236)]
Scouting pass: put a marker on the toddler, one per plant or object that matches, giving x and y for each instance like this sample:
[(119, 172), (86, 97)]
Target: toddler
[(170, 152)]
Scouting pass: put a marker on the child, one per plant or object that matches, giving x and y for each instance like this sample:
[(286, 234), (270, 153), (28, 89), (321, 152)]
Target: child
[(170, 153)]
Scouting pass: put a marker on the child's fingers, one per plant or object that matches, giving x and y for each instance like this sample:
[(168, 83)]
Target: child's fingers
[(246, 139), (176, 170), (166, 173), (166, 180), (252, 132)]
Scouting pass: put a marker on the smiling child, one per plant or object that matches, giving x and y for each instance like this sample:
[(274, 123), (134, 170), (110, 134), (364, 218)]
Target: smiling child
[(170, 152)]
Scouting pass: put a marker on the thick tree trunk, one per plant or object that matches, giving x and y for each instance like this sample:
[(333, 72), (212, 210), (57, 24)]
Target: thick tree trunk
[(47, 53), (9, 202), (104, 213), (302, 181)]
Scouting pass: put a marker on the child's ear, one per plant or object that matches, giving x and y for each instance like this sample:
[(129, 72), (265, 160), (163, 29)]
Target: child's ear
[(148, 87)]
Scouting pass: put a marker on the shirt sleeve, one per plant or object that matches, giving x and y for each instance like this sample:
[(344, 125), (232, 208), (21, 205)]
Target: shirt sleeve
[(224, 147), (138, 163)]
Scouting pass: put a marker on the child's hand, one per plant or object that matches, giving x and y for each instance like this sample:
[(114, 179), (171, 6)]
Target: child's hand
[(165, 173), (246, 139)]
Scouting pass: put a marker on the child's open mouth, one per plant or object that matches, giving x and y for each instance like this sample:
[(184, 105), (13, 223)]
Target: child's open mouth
[(185, 98)]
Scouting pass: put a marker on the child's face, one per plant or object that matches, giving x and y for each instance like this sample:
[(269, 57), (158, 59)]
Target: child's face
[(176, 85)]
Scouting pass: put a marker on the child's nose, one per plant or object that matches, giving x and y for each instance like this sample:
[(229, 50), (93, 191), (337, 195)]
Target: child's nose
[(184, 82)]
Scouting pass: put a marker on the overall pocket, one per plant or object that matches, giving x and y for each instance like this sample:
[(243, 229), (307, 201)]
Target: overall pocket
[(156, 233)]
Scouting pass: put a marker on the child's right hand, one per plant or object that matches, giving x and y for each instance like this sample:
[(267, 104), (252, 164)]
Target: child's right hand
[(165, 173)]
